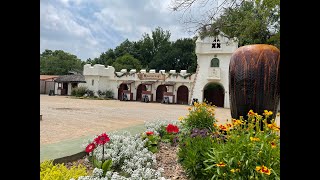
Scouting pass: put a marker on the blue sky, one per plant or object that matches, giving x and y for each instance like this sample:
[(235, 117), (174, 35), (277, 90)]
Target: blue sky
[(87, 28)]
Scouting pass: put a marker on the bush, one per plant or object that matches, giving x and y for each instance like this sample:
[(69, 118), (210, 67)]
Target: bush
[(200, 116), (191, 155), (79, 91), (109, 94), (248, 152), (130, 158), (48, 171), (89, 93)]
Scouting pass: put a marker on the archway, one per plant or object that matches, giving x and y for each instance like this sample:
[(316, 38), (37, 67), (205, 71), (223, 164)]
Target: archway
[(120, 89), (182, 95), (159, 93), (140, 88), (214, 93)]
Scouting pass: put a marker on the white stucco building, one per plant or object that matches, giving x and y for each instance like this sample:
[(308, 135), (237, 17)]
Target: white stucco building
[(210, 81)]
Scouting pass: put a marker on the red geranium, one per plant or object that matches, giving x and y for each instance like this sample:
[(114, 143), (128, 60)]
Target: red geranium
[(172, 128), (102, 139), (148, 133), (90, 147)]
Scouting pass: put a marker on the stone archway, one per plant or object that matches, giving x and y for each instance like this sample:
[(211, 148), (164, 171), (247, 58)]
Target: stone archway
[(120, 90), (140, 88), (182, 95), (214, 93), (159, 93)]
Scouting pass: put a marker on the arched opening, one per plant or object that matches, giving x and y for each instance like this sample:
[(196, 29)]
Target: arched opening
[(120, 89), (182, 95), (214, 93), (140, 88), (159, 92), (214, 62)]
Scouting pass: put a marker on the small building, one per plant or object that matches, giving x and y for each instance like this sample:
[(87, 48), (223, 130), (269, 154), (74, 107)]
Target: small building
[(64, 84), (47, 83)]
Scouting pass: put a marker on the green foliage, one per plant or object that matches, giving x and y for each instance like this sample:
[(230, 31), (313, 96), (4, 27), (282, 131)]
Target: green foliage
[(89, 93), (247, 148), (48, 171), (192, 153), (252, 22), (152, 143), (59, 62), (201, 116), (154, 51), (79, 91), (126, 61), (106, 166)]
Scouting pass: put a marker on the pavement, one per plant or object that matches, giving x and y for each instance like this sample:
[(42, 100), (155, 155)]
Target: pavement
[(67, 122)]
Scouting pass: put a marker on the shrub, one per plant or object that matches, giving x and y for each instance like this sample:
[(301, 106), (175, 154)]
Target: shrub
[(200, 116), (248, 152), (79, 91), (89, 93), (48, 171), (109, 94), (191, 155), (152, 143), (129, 156)]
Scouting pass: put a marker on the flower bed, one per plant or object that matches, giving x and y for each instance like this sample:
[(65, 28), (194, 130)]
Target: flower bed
[(240, 149)]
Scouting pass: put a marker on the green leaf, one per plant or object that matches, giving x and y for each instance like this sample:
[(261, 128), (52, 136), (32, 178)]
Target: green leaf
[(106, 166), (97, 163)]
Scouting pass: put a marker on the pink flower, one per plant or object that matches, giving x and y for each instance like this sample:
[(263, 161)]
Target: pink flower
[(90, 147), (172, 128), (102, 139)]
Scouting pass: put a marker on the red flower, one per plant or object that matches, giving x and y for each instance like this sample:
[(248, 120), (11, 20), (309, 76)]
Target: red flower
[(90, 147), (148, 133), (102, 139), (172, 128)]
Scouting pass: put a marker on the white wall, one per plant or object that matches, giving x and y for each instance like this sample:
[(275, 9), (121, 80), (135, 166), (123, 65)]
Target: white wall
[(205, 53)]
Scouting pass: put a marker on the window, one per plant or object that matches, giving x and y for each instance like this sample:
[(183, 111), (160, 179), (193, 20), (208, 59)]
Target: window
[(215, 62), (216, 43), (92, 82)]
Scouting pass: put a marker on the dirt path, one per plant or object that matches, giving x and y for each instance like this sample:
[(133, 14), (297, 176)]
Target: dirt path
[(68, 118)]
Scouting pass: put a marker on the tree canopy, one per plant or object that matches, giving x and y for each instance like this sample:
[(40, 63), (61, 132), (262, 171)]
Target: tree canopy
[(59, 62), (250, 21), (154, 51)]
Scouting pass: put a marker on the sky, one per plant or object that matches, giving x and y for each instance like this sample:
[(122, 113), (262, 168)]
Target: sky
[(86, 28)]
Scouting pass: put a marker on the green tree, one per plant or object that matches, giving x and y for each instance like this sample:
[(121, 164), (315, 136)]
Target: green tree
[(250, 21), (184, 54), (59, 63), (127, 61)]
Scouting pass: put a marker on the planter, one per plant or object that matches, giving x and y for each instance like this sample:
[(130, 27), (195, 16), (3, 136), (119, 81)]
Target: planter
[(254, 80)]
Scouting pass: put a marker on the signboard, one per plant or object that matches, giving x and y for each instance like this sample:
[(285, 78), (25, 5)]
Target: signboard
[(151, 76)]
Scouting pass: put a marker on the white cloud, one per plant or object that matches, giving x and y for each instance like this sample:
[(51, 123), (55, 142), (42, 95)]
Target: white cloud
[(88, 28)]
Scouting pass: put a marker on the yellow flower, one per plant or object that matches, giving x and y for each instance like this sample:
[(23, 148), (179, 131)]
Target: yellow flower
[(274, 127), (254, 139), (189, 108), (267, 113), (215, 125), (263, 170), (180, 118), (258, 168), (237, 122), (223, 128), (273, 145), (235, 170), (221, 164), (251, 113)]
